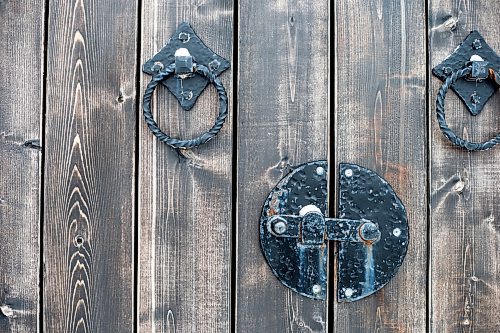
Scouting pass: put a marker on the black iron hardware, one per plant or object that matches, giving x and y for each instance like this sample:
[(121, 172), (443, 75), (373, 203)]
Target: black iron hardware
[(372, 231), (185, 66), (472, 71)]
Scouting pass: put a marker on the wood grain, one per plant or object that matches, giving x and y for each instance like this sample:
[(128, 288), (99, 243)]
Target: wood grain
[(283, 100), (21, 90), (185, 200), (89, 166), (465, 228), (380, 121)]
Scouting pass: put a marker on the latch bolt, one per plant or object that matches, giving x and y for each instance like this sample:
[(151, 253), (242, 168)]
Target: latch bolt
[(311, 227)]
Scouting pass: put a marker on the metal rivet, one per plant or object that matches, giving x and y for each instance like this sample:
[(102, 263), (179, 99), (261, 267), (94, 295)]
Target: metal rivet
[(396, 232), (369, 232), (187, 95), (348, 173), (214, 65), (320, 171), (185, 37), (447, 70), (157, 66), (280, 227), (348, 292), (475, 99), (316, 289), (476, 44)]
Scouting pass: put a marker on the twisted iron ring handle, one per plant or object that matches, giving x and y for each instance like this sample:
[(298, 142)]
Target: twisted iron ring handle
[(472, 146), (203, 138)]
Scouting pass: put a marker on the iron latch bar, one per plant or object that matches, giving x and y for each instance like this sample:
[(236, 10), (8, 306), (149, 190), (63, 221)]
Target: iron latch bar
[(313, 228)]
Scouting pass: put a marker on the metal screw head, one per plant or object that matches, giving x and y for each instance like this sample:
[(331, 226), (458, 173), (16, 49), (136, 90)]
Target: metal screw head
[(279, 227), (157, 66), (475, 99), (476, 44), (187, 95), (348, 292), (348, 173), (369, 232), (320, 171), (316, 289), (185, 37), (214, 65), (447, 70)]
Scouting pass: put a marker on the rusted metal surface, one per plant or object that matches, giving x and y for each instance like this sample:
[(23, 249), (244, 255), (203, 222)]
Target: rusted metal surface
[(372, 230)]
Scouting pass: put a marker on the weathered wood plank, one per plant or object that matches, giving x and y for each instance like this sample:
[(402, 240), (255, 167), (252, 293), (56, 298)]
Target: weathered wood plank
[(185, 201), (283, 100), (465, 257), (380, 123), (89, 166), (21, 90)]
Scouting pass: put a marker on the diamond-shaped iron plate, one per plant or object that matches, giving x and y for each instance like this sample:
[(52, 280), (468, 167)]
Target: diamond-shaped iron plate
[(185, 37), (474, 94)]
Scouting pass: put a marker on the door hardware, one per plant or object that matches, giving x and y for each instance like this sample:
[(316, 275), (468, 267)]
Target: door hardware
[(185, 65), (472, 71), (371, 231)]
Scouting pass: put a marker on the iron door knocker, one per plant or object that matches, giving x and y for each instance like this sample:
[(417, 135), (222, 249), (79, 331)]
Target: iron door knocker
[(481, 67), (192, 65)]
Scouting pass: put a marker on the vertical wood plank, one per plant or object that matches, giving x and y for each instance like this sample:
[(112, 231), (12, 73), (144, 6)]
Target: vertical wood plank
[(89, 169), (21, 90), (380, 123), (465, 215), (283, 103), (185, 200)]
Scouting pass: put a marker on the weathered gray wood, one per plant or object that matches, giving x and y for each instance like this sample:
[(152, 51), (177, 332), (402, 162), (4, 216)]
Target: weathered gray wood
[(380, 123), (185, 201), (283, 99), (89, 166), (465, 257), (21, 65)]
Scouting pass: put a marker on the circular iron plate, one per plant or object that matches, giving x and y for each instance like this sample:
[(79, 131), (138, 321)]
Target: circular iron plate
[(299, 267), (364, 268)]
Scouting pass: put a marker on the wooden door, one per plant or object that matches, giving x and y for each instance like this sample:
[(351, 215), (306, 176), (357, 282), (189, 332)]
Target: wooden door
[(103, 228)]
